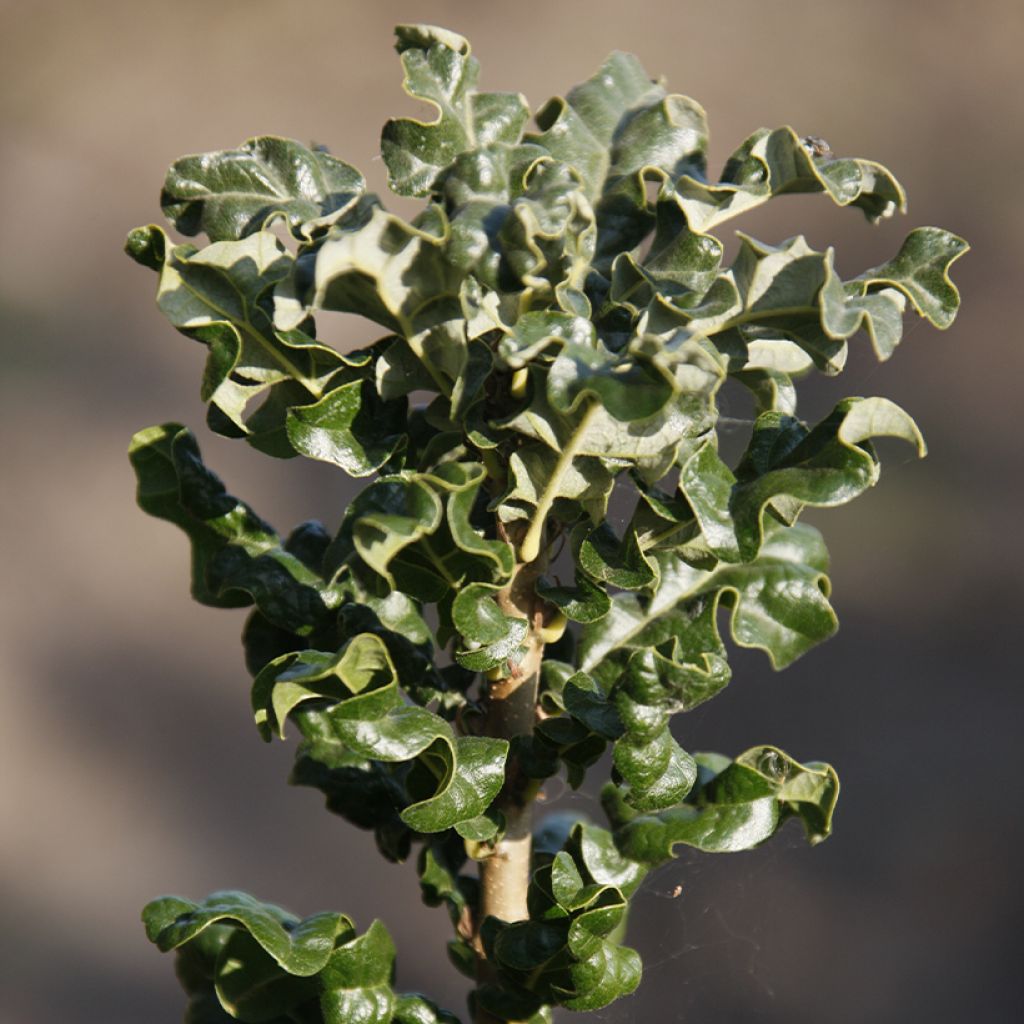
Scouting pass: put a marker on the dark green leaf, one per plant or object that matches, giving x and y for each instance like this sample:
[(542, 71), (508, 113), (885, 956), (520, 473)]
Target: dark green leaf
[(827, 466), (657, 771), (787, 467), (237, 559), (301, 948), (737, 805), (564, 954), (616, 129), (356, 981), (221, 297), (599, 861), (251, 985), (620, 563), (779, 602), (232, 193), (921, 271), (458, 777), (391, 514), (770, 163), (396, 273), (440, 71), (583, 602), (548, 239), (628, 390), (475, 773), (490, 638), (535, 332), (414, 1009), (349, 427)]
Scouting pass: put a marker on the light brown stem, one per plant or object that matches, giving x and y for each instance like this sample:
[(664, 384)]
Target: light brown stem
[(505, 875), (511, 711)]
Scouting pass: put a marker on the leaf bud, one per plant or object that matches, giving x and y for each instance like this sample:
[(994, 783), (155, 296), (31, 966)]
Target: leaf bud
[(519, 381), (554, 628)]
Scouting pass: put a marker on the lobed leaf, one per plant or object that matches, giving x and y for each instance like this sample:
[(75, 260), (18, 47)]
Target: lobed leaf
[(582, 602), (778, 603), (490, 637), (299, 947), (240, 959), (616, 128), (221, 296), (415, 1009), (356, 980), (657, 772), (565, 954), (561, 304), (787, 467), (548, 239), (620, 563), (234, 192), (237, 558), (440, 71), (423, 533), (921, 271), (770, 163), (357, 716), (736, 805), (350, 428), (378, 265)]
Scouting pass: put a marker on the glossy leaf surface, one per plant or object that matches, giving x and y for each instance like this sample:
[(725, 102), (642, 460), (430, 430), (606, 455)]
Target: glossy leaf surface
[(230, 194), (735, 806), (564, 953), (551, 546), (359, 714), (239, 959)]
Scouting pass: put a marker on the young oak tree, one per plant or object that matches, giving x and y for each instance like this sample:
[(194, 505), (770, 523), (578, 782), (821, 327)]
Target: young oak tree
[(557, 324)]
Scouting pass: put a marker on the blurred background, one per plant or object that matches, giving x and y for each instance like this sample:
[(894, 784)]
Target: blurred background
[(130, 765)]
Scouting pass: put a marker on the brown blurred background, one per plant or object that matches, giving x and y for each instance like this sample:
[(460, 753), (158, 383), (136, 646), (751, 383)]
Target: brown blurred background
[(130, 766)]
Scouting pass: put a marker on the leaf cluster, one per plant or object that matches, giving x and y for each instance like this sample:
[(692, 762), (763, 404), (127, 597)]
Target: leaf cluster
[(557, 323), (240, 959)]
